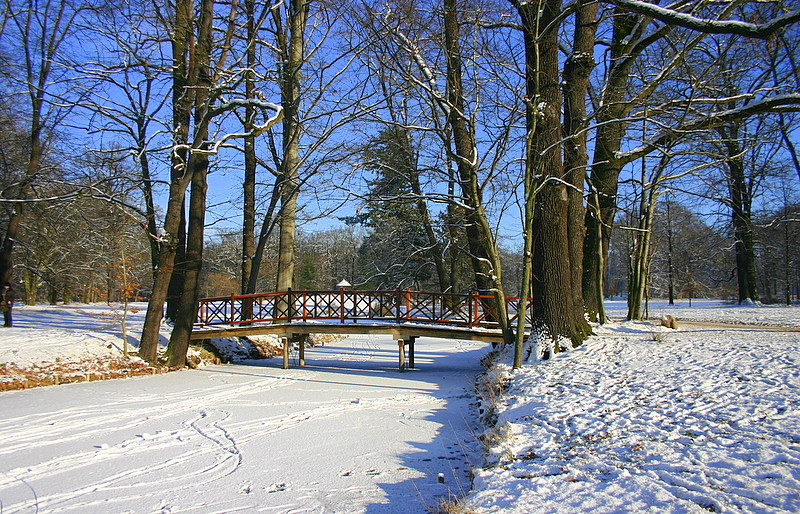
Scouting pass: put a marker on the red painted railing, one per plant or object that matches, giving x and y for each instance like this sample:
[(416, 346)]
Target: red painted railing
[(343, 306)]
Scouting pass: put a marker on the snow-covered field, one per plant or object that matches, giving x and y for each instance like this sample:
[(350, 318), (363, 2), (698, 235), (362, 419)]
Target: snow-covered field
[(715, 311), (706, 418), (648, 419)]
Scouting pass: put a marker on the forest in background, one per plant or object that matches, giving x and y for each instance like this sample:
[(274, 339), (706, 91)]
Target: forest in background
[(572, 150)]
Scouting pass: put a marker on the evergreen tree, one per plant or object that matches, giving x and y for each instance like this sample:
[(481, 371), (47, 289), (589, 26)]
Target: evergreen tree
[(394, 253)]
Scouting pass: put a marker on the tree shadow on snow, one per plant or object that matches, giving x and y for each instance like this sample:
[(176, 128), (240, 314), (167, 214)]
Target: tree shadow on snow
[(439, 468)]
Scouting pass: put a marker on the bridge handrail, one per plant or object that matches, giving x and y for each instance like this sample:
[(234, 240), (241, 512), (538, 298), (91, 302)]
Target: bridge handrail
[(471, 310)]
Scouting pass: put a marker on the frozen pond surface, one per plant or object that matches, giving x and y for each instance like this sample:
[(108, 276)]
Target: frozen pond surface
[(347, 433)]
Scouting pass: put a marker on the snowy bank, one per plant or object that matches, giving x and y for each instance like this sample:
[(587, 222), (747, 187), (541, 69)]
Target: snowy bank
[(642, 418), (58, 344)]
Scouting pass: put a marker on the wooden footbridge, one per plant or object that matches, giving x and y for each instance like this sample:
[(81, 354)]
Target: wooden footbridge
[(405, 315)]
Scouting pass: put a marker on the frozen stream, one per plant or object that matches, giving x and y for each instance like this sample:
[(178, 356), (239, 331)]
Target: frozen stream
[(347, 433)]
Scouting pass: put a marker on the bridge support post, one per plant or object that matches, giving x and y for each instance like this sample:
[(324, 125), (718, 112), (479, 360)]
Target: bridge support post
[(411, 341), (285, 342), (401, 347), (302, 351)]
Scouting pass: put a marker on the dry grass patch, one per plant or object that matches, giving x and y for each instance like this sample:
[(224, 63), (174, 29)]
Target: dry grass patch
[(13, 377)]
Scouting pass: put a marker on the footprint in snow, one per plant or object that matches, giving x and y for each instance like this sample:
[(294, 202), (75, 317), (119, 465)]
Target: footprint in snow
[(276, 488)]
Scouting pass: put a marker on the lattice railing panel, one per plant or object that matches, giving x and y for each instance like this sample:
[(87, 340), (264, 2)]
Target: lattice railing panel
[(471, 310)]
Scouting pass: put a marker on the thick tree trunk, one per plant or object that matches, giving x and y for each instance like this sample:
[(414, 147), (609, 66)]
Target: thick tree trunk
[(741, 214), (249, 181), (600, 215), (187, 305), (148, 346), (640, 258), (267, 226), (198, 162), (556, 309), (287, 232), (577, 70), (182, 100), (248, 212), (606, 167), (180, 179), (742, 225), (175, 285)]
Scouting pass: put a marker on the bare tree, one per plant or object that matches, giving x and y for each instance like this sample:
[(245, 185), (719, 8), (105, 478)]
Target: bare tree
[(38, 32)]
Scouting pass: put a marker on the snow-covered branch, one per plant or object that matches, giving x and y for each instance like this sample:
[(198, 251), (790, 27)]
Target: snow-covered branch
[(257, 130), (775, 104), (742, 28)]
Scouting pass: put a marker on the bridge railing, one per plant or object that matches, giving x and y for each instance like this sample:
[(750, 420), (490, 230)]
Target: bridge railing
[(344, 306)]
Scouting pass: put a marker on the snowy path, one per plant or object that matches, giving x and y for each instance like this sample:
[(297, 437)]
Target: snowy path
[(348, 433), (704, 420)]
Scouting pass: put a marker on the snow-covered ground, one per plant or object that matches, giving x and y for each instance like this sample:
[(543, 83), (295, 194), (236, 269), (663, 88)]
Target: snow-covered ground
[(640, 418), (715, 311), (347, 433)]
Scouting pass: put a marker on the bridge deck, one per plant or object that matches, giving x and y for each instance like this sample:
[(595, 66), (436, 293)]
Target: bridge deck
[(398, 331)]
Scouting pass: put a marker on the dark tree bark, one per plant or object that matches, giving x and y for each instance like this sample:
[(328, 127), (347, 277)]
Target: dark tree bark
[(198, 162), (292, 48), (555, 308), (249, 182), (267, 226), (606, 167), (182, 42), (577, 69), (741, 215), (41, 32)]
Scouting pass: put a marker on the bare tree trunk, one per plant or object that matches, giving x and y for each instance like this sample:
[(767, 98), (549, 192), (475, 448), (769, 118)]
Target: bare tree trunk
[(741, 201), (606, 167), (175, 285), (180, 179), (577, 70), (187, 306), (527, 245), (249, 182), (267, 225), (148, 347), (37, 72), (640, 260), (198, 162), (670, 266), (292, 50), (483, 250), (147, 192), (555, 307)]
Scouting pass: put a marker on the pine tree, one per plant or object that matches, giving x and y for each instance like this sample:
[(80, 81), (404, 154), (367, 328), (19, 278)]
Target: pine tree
[(394, 253)]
